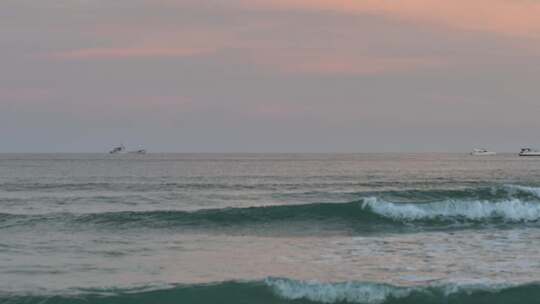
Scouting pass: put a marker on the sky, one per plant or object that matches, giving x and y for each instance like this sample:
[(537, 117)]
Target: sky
[(269, 75)]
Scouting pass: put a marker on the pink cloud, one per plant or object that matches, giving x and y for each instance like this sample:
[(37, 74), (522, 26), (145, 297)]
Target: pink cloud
[(510, 17), (126, 53), (360, 66), (282, 60), (342, 63), (249, 45)]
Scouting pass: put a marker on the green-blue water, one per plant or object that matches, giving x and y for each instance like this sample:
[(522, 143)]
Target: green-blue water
[(269, 228)]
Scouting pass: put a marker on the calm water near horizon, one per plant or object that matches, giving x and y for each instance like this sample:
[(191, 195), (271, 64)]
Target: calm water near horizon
[(269, 228)]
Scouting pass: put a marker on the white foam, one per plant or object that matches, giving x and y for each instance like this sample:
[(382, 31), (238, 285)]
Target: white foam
[(513, 210), (531, 190), (368, 293)]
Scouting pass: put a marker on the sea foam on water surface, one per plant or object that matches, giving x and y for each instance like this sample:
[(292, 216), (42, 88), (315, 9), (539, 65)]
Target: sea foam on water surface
[(369, 293), (527, 189), (513, 210), (375, 293)]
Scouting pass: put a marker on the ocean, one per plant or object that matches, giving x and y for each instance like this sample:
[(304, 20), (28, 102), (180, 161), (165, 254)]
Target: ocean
[(269, 228)]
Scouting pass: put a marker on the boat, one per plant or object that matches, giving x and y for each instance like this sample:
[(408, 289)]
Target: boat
[(141, 151), (118, 150), (122, 150), (529, 152), (482, 152)]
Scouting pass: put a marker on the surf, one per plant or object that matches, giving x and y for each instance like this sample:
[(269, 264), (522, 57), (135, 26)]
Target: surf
[(283, 290), (390, 211)]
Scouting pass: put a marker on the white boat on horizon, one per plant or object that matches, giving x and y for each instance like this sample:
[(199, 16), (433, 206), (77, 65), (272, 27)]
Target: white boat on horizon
[(141, 151), (118, 150), (122, 150), (482, 152), (529, 152)]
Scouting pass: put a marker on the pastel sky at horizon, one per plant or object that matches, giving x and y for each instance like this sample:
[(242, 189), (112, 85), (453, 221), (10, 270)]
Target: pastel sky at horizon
[(269, 75)]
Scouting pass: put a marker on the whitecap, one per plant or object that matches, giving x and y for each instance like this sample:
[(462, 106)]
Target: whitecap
[(513, 210), (352, 292)]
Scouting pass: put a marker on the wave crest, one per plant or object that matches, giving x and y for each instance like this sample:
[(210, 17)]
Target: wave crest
[(376, 293), (513, 189), (406, 211), (283, 290), (513, 210), (369, 293)]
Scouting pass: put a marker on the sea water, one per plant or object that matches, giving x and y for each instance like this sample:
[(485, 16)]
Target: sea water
[(269, 228)]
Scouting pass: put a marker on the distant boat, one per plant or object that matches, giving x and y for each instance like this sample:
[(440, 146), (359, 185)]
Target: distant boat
[(118, 150), (122, 150), (482, 152), (142, 151), (529, 152)]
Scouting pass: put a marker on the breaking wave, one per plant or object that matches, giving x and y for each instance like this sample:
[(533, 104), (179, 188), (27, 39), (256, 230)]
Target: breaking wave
[(513, 210), (405, 211), (279, 290)]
